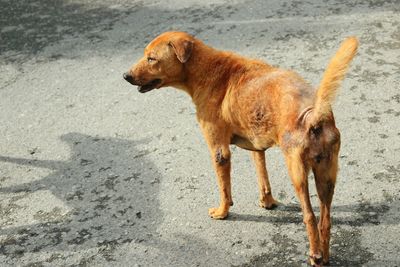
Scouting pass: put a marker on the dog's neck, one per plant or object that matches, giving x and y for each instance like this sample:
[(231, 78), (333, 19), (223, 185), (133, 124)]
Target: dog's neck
[(208, 74)]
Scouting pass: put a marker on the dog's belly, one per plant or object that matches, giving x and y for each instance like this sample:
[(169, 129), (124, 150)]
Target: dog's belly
[(257, 144)]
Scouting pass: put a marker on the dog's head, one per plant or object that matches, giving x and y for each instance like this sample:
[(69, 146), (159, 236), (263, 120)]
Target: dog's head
[(163, 62)]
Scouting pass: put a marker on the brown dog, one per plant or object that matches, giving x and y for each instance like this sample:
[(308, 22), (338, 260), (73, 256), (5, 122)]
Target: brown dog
[(255, 106)]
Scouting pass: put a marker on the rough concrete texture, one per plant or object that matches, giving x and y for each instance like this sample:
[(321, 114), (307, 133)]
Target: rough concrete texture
[(92, 173)]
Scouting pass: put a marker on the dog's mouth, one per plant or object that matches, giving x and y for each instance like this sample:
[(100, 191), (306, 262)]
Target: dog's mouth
[(149, 86)]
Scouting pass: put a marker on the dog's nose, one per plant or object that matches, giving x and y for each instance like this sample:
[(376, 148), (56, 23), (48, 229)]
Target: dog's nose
[(127, 76)]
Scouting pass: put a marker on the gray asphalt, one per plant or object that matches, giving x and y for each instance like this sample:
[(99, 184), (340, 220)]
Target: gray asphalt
[(92, 173)]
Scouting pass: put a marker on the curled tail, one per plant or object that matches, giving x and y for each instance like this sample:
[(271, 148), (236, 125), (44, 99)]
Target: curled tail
[(332, 77)]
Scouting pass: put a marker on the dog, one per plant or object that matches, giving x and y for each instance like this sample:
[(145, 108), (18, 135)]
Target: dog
[(253, 105)]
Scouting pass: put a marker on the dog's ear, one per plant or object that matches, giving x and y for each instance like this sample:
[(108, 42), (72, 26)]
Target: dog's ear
[(182, 48)]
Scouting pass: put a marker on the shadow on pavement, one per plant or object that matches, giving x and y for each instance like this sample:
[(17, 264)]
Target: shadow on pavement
[(111, 190), (27, 27), (346, 245), (361, 214)]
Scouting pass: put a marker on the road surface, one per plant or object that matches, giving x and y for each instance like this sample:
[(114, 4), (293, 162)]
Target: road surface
[(93, 173)]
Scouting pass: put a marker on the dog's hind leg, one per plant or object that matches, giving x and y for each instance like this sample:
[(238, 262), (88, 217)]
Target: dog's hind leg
[(298, 172), (266, 199), (325, 177)]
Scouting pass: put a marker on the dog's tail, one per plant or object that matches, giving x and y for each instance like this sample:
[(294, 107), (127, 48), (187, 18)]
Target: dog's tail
[(333, 75)]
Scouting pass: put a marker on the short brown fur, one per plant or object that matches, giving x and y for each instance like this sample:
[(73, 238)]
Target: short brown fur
[(255, 106)]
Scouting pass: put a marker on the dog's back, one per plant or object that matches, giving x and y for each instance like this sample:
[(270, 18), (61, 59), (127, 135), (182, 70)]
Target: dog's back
[(268, 104)]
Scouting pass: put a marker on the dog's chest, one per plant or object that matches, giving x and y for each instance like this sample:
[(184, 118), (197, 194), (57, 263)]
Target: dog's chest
[(257, 144)]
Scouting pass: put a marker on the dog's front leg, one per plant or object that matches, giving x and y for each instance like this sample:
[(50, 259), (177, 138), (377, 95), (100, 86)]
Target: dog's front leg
[(222, 165), (218, 143)]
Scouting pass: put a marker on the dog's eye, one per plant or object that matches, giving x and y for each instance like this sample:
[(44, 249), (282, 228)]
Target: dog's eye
[(151, 59)]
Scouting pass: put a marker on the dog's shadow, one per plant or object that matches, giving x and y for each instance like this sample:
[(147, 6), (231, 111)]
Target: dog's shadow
[(110, 190)]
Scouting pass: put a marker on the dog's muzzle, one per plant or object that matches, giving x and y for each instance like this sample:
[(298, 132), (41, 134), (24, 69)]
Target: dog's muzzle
[(142, 88)]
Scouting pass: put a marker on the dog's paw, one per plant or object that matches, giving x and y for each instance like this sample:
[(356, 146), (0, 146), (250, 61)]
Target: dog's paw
[(268, 202), (316, 260), (218, 213)]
